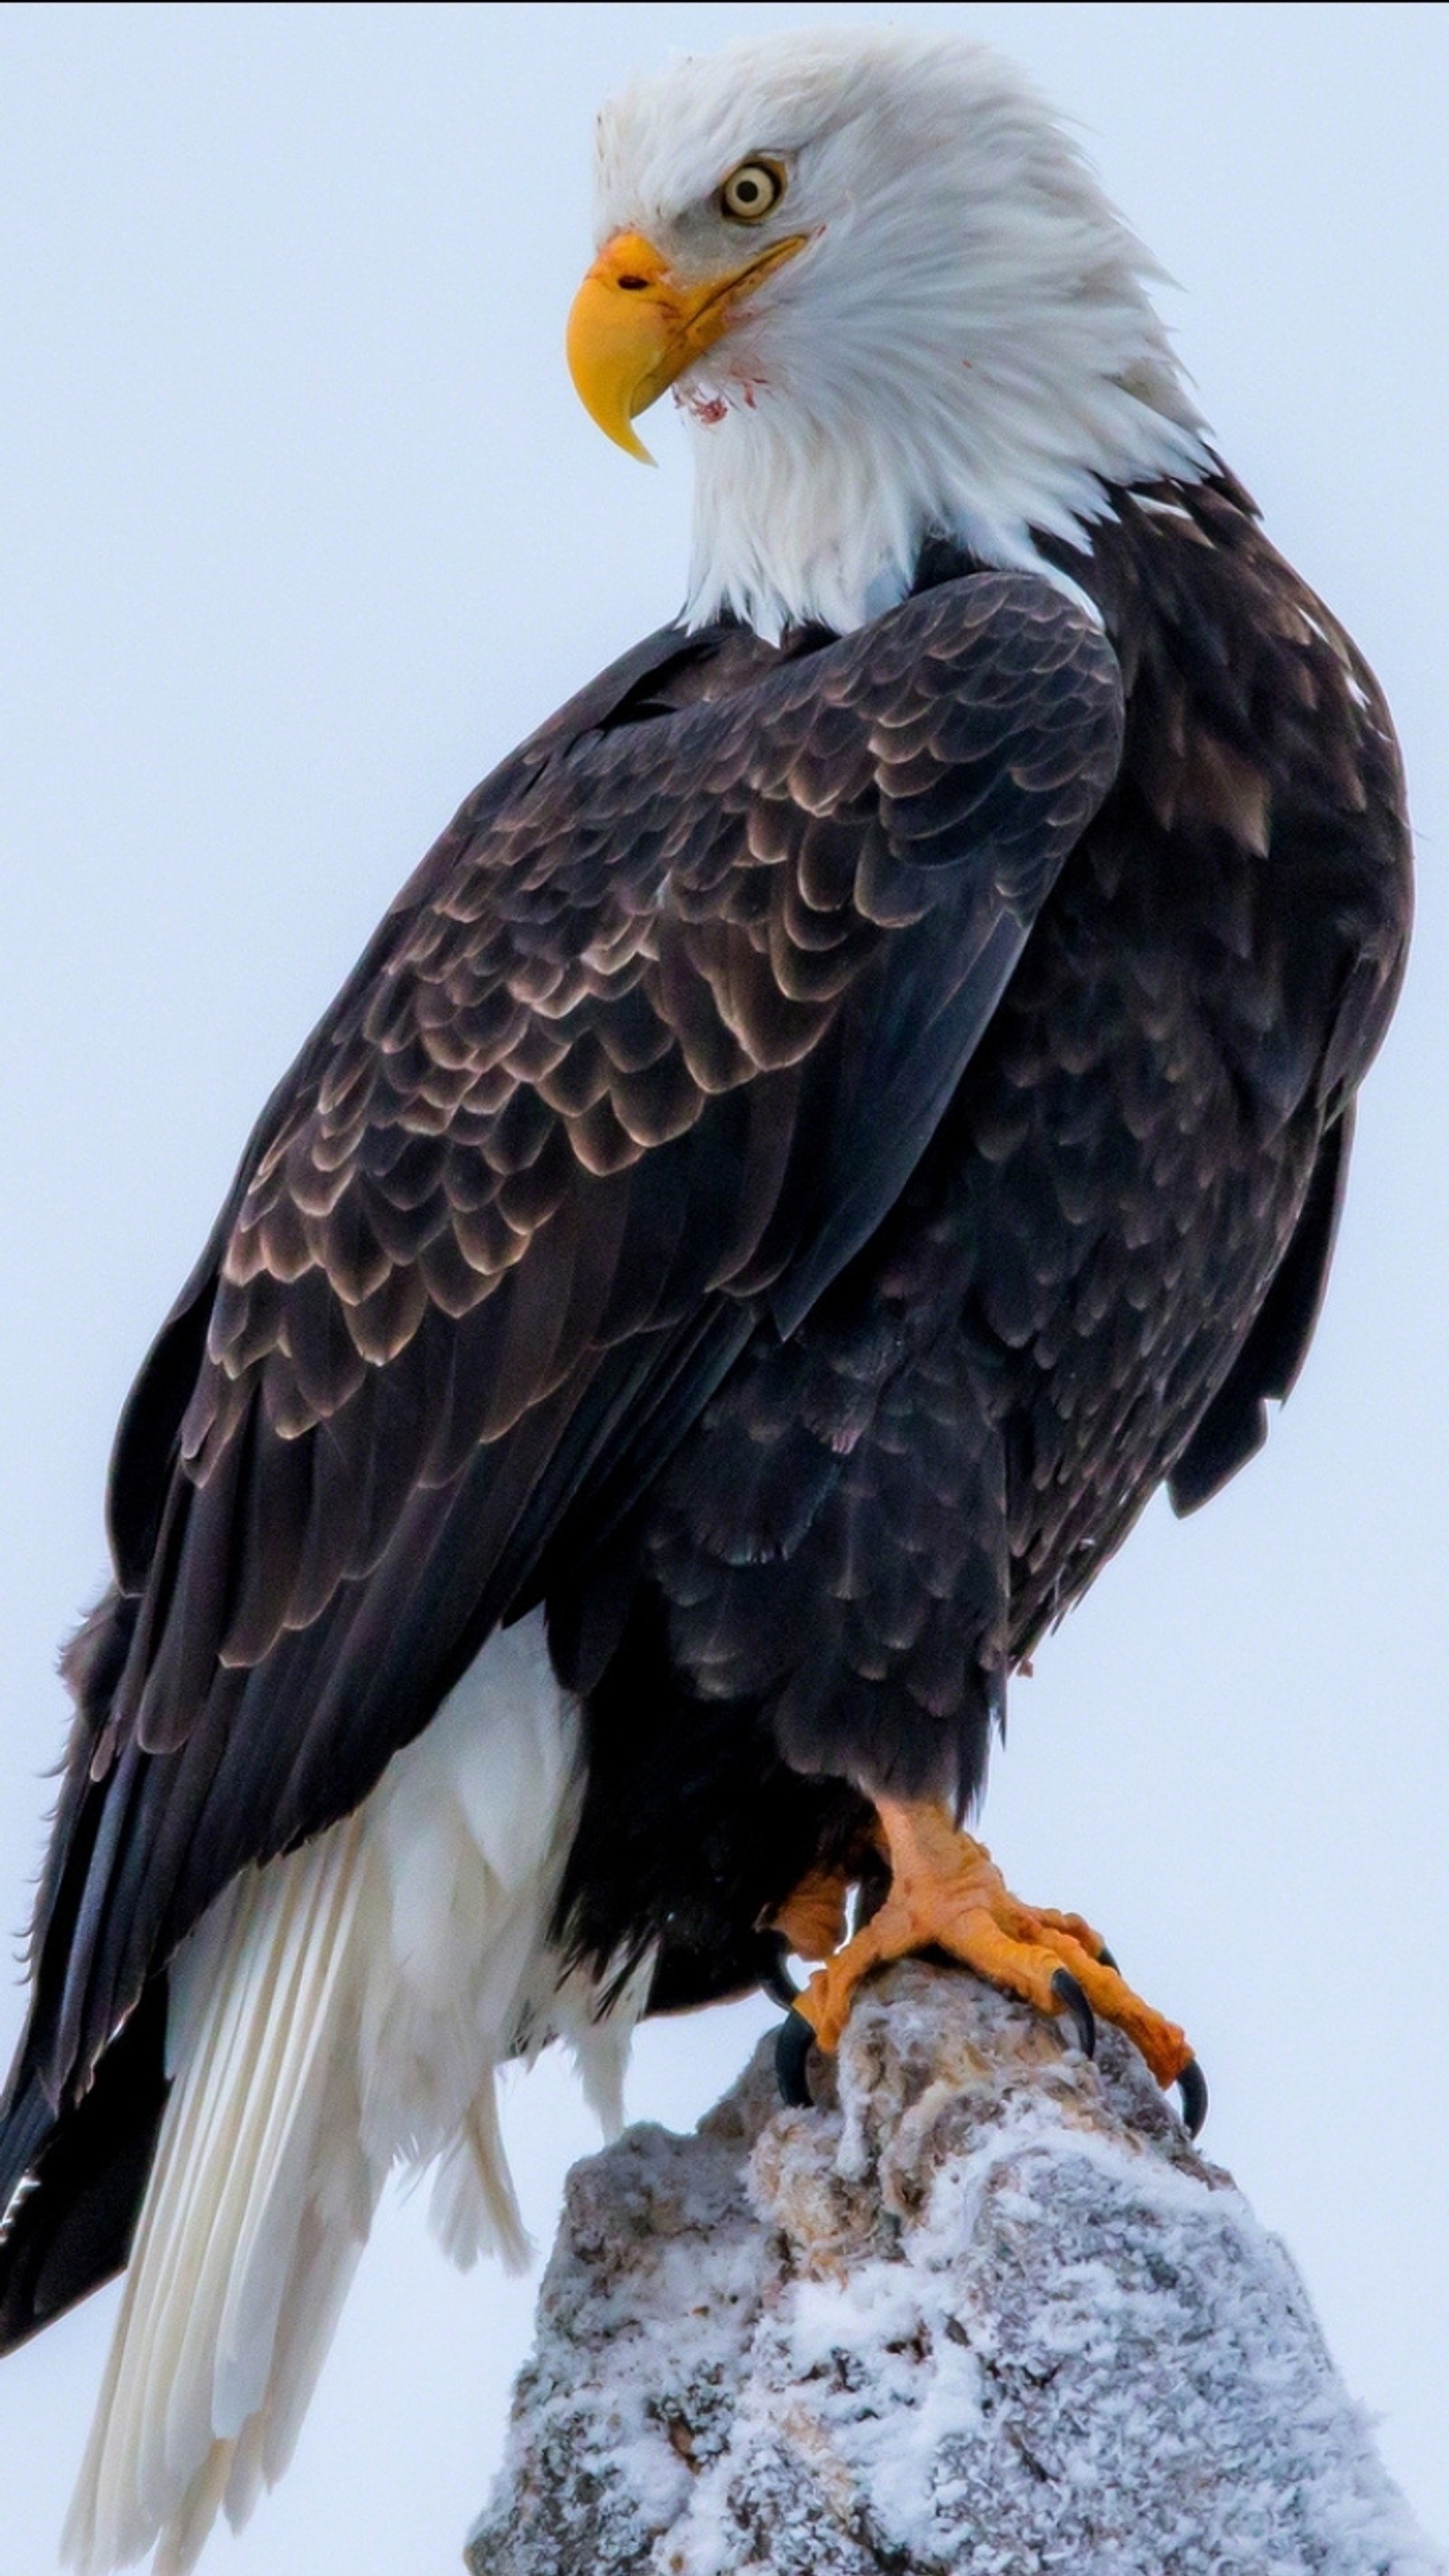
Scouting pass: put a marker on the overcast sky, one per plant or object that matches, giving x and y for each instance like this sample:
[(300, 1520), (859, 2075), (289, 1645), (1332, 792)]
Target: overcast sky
[(302, 527)]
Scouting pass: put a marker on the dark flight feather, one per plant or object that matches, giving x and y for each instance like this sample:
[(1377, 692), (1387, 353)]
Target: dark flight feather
[(1235, 1424)]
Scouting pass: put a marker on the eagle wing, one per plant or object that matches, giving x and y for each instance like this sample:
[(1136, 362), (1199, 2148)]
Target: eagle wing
[(1235, 1425), (642, 1055)]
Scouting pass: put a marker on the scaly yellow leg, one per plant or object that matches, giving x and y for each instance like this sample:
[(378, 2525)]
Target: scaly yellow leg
[(947, 1893), (812, 1919)]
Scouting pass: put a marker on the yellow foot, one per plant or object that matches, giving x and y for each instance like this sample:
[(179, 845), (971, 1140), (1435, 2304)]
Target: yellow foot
[(948, 1894), (813, 1919)]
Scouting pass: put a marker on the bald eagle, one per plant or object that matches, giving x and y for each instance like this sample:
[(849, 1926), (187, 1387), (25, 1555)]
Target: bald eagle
[(854, 1104)]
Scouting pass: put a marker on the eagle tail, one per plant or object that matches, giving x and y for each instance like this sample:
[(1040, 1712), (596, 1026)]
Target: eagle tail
[(340, 2010), (259, 2202)]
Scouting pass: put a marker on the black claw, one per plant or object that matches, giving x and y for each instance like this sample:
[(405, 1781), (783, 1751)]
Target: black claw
[(793, 2043), (776, 1979), (1069, 1994), (1192, 2085), (1106, 1960)]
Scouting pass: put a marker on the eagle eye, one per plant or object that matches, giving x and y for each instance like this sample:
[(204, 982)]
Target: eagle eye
[(752, 191)]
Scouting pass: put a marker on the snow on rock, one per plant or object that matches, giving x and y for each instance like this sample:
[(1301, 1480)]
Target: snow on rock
[(983, 2311)]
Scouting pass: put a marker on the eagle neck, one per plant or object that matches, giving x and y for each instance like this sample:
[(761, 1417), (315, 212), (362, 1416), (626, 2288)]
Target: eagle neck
[(816, 508)]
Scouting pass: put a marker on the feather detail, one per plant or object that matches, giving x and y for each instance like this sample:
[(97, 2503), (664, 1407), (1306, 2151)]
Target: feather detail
[(340, 2011), (232, 2223)]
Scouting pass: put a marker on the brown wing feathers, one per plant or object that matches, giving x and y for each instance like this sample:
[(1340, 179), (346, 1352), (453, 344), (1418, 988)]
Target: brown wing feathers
[(661, 1026)]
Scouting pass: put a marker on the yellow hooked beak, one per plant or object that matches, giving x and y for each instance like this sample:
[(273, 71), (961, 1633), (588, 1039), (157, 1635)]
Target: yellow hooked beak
[(635, 326)]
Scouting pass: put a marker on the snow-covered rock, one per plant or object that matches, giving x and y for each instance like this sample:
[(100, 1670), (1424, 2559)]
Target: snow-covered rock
[(985, 2311)]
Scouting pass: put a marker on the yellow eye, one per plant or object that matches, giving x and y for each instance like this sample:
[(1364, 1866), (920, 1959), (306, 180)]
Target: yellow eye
[(752, 191)]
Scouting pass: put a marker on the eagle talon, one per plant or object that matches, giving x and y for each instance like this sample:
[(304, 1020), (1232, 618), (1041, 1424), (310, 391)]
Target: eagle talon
[(776, 1980), (947, 1899), (1070, 1996), (793, 2042), (1192, 2085)]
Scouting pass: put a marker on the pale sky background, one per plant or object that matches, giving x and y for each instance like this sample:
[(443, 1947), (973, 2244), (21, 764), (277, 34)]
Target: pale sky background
[(301, 529)]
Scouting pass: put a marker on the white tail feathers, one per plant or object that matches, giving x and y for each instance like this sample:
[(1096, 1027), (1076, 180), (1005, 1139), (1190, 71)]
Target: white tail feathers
[(339, 2011), (207, 2375)]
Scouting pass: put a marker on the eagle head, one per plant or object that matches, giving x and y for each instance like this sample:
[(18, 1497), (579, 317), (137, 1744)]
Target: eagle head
[(891, 301)]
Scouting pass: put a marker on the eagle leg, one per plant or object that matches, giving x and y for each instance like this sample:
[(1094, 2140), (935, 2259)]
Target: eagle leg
[(812, 1920), (946, 1893)]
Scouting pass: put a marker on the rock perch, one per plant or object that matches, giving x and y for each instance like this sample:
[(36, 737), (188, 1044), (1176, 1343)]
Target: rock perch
[(984, 2311)]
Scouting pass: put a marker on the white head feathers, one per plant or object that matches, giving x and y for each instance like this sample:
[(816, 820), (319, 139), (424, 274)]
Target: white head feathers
[(966, 344)]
